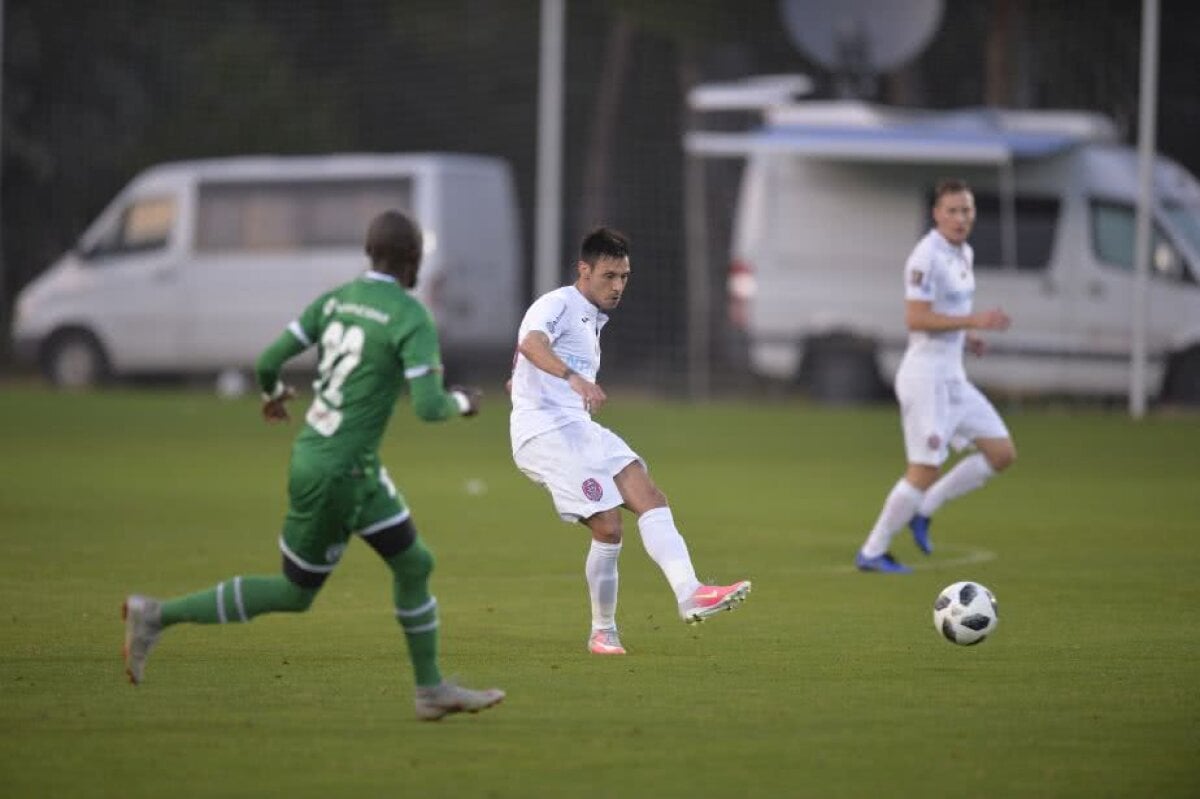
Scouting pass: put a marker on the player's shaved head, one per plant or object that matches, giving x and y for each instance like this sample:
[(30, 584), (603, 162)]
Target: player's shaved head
[(394, 245)]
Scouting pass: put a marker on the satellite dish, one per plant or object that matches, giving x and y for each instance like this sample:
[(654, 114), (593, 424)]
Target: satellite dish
[(857, 40)]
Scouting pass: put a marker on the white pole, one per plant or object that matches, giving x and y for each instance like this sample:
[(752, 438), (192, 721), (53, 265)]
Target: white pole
[(5, 332), (548, 212), (1147, 109)]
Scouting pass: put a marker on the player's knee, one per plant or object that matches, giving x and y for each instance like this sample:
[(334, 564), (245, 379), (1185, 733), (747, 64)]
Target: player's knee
[(606, 530), (414, 564), (1002, 457)]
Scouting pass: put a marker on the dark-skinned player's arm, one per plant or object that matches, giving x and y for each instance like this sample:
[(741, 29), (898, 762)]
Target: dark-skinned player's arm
[(422, 358), (275, 392)]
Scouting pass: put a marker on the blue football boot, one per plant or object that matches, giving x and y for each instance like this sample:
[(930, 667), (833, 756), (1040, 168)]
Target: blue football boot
[(880, 563), (920, 530)]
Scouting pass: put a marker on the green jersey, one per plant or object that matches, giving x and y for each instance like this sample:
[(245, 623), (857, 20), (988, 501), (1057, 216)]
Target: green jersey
[(372, 336)]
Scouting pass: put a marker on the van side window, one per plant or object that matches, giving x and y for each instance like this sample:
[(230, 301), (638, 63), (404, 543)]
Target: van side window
[(1036, 225), (1113, 231), (143, 226), (295, 214)]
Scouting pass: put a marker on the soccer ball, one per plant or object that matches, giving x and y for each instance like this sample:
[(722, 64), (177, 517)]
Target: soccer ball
[(965, 613)]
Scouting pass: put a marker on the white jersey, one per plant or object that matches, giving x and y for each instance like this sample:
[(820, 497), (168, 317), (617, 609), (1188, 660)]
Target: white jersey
[(542, 401), (940, 273)]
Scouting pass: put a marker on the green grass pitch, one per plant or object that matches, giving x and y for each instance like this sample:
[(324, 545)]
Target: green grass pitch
[(827, 683)]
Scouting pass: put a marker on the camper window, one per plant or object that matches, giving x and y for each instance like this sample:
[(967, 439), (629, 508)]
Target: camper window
[(143, 226), (293, 215), (1113, 231)]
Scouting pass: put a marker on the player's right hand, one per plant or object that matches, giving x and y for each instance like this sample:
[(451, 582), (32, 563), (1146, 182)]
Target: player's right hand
[(993, 319), (273, 407), (469, 399), (592, 395)]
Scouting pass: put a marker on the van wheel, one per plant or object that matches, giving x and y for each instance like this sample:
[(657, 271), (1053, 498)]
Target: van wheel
[(841, 369), (74, 359), (1183, 378)]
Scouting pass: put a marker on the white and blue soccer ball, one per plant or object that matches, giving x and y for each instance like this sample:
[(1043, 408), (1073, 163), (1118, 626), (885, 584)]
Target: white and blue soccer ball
[(965, 613)]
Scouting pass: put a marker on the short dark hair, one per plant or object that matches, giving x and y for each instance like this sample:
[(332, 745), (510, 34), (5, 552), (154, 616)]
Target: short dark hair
[(394, 241), (949, 186), (603, 242)]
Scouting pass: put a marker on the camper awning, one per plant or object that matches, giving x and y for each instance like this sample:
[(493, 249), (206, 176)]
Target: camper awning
[(890, 144)]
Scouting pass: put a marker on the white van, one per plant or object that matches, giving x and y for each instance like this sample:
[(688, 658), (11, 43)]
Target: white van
[(835, 194), (196, 266)]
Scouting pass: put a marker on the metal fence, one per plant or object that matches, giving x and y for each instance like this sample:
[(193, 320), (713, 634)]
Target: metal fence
[(94, 92)]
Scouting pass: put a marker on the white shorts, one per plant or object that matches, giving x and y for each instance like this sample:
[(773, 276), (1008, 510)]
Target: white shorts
[(577, 464), (938, 413)]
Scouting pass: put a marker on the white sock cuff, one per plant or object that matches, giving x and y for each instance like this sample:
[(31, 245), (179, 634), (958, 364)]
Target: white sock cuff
[(655, 515), (909, 490), (984, 467), (602, 548)]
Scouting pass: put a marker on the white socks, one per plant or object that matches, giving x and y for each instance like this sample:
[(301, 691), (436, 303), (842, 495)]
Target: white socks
[(667, 548), (898, 508), (967, 475), (905, 500), (601, 570)]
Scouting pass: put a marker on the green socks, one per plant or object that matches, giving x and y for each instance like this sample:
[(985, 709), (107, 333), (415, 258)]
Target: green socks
[(416, 610), (243, 598), (239, 599)]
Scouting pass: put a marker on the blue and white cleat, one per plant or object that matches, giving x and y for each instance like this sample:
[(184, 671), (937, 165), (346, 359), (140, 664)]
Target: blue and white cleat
[(920, 531), (880, 563)]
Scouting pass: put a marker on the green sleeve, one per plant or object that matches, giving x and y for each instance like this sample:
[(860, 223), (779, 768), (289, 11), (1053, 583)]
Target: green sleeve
[(299, 336), (422, 359), (273, 357), (430, 401)]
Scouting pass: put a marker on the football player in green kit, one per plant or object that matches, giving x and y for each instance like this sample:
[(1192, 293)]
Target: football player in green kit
[(372, 336)]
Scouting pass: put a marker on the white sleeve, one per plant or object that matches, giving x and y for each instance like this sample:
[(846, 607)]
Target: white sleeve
[(918, 275), (545, 315)]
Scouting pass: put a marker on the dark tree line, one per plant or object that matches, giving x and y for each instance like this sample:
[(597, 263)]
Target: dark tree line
[(93, 92)]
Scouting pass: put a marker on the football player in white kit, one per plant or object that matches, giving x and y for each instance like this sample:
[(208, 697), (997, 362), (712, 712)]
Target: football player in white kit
[(939, 407), (588, 470)]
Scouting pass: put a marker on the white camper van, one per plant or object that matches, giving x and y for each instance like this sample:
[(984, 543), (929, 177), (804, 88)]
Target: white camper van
[(196, 266), (835, 194)]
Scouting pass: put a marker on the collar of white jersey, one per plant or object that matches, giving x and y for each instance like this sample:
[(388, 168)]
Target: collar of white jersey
[(371, 274), (945, 243), (600, 315)]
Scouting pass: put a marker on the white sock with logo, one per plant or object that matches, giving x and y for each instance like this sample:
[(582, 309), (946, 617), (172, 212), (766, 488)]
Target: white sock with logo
[(898, 508), (667, 548), (967, 475), (601, 571)]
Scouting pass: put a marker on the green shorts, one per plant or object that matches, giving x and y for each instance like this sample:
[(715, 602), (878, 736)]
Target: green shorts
[(326, 506)]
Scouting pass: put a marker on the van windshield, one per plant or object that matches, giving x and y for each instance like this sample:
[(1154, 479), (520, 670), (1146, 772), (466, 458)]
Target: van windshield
[(1113, 234), (1185, 219), (294, 214)]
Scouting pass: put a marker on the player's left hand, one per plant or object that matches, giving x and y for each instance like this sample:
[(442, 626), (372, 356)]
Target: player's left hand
[(469, 399), (976, 346), (274, 408)]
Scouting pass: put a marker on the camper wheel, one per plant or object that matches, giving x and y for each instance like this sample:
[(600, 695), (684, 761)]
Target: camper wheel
[(74, 359), (1182, 383), (841, 368)]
